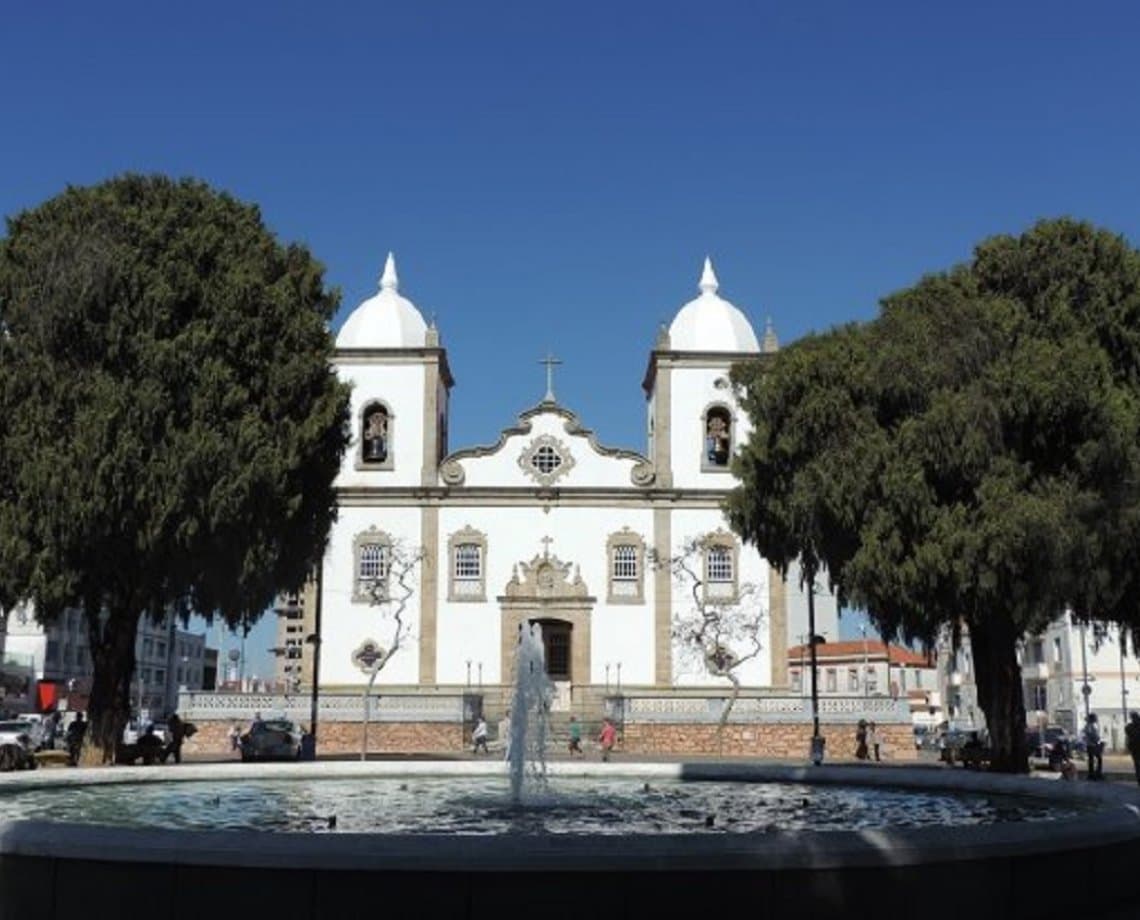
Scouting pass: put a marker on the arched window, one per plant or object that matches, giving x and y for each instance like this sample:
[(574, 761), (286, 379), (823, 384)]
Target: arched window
[(375, 437), (468, 551), (626, 552), (717, 451), (372, 552), (721, 556)]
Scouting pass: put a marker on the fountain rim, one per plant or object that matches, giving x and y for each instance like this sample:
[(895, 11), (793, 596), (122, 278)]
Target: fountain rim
[(1113, 816)]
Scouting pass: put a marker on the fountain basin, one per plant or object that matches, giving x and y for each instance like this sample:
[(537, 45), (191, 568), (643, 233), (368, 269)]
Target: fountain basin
[(1080, 863)]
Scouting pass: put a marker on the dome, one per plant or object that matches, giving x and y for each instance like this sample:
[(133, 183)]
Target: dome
[(711, 323), (385, 320)]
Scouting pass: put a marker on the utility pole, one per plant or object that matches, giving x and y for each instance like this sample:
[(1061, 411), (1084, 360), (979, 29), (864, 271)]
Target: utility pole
[(1123, 685), (315, 639), (863, 629), (1086, 690), (817, 742)]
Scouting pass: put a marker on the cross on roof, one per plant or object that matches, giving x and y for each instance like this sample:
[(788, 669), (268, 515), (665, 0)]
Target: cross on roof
[(549, 361), (546, 541)]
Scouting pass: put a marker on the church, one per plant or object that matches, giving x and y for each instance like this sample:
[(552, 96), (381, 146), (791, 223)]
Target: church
[(459, 549)]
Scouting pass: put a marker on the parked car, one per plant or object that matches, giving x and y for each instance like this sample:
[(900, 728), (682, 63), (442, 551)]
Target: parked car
[(17, 745), (968, 747), (1051, 746), (30, 730), (272, 739)]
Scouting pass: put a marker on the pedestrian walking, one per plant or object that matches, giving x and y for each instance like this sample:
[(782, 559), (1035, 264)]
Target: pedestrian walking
[(1132, 740), (479, 737), (574, 745), (607, 738), (861, 740), (873, 740), (1094, 747)]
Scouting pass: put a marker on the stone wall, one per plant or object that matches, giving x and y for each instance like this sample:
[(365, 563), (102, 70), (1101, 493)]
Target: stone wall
[(345, 737), (764, 740)]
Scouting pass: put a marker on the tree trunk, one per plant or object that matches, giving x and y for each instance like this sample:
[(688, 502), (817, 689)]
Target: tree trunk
[(727, 711), (112, 641), (998, 675)]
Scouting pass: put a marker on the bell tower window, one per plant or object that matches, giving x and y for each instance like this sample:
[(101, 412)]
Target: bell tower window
[(717, 448), (375, 437)]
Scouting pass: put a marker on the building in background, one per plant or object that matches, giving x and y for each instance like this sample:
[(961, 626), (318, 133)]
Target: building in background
[(1067, 658), (870, 668), (58, 659), (1059, 669), (295, 623)]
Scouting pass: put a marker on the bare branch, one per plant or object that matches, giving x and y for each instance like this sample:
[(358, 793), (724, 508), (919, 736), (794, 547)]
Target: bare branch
[(721, 633)]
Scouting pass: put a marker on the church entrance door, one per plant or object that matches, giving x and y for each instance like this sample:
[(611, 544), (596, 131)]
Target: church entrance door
[(556, 643), (551, 593)]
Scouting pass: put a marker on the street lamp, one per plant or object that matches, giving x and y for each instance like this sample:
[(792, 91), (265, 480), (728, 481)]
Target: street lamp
[(863, 630), (1086, 690)]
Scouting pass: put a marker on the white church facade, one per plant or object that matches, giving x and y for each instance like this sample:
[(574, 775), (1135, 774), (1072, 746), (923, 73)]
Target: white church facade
[(544, 524)]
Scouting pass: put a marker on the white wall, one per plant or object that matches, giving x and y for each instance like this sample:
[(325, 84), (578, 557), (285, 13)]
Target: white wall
[(621, 632), (692, 391), (401, 388), (345, 624), (590, 467), (691, 523)]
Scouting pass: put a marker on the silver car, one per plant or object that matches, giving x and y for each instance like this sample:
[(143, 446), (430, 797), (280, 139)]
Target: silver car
[(18, 742), (272, 739)]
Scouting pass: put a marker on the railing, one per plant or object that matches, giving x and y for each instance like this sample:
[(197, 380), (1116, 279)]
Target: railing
[(786, 709), (339, 707)]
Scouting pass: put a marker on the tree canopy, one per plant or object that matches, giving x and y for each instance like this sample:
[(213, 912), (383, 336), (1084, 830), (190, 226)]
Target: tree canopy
[(969, 458), (169, 419)]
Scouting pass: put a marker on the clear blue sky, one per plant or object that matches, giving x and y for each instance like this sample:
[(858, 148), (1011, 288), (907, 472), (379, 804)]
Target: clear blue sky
[(551, 175)]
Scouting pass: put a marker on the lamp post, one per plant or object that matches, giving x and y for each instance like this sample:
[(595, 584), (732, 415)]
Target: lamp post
[(315, 641), (817, 741), (1123, 685), (1086, 690), (863, 630)]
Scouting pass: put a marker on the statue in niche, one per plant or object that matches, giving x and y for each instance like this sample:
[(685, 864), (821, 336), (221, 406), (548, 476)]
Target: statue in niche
[(375, 436), (717, 440)]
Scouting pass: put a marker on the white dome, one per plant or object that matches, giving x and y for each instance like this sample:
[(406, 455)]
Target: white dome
[(711, 323), (385, 320)]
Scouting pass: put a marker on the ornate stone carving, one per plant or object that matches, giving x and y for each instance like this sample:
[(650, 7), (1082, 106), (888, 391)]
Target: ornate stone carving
[(643, 474), (452, 473), (369, 656), (546, 459), (546, 577)]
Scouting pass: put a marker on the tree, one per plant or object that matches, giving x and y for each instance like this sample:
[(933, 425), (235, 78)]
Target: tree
[(390, 590), (971, 458), (171, 424), (718, 634)]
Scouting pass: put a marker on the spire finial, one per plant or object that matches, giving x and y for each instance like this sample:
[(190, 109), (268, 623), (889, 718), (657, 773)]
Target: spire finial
[(709, 284), (770, 344), (390, 281)]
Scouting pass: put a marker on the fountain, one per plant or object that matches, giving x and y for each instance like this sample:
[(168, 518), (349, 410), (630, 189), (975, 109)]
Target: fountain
[(321, 839), (530, 703)]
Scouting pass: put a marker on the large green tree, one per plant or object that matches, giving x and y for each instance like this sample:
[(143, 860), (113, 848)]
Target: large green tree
[(170, 423), (969, 457)]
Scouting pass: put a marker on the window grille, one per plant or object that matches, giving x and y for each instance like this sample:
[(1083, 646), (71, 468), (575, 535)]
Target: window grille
[(719, 564), (468, 561), (625, 563), (546, 460), (374, 563)]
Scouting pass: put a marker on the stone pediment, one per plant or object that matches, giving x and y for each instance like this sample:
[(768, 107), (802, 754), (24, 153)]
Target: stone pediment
[(546, 444), (545, 578)]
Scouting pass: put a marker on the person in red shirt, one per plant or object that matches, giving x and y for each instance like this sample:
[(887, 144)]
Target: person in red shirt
[(607, 738)]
